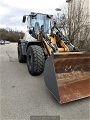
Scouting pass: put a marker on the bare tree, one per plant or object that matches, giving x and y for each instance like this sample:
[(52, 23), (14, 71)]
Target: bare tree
[(75, 24), (79, 29)]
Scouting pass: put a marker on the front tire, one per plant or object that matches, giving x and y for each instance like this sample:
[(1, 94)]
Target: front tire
[(35, 60)]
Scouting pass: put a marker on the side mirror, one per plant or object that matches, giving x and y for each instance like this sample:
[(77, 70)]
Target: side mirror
[(24, 19)]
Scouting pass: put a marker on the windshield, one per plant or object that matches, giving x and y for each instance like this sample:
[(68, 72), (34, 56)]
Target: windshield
[(39, 20)]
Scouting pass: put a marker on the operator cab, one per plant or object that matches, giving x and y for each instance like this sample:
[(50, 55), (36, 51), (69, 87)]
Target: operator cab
[(38, 21)]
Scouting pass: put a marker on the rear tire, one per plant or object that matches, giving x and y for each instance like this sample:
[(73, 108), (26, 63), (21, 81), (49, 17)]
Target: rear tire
[(21, 57), (35, 60)]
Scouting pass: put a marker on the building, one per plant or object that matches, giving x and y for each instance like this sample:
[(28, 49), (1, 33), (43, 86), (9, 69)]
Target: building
[(79, 22)]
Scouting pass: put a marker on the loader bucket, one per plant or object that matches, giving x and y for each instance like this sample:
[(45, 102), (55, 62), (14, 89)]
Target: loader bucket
[(67, 76)]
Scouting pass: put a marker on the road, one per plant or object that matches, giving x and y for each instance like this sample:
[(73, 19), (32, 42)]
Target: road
[(23, 95)]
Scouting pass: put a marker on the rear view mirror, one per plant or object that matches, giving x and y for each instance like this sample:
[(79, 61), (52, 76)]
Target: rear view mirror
[(24, 19)]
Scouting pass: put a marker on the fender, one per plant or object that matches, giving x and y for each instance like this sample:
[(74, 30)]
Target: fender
[(25, 44)]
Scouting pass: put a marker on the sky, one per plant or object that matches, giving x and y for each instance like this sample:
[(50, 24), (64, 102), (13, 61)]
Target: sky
[(12, 11)]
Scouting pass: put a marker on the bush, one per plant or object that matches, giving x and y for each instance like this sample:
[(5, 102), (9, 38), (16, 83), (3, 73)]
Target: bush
[(12, 36)]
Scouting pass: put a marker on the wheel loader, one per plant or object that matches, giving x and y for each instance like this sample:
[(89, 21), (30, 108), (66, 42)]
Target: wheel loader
[(45, 48)]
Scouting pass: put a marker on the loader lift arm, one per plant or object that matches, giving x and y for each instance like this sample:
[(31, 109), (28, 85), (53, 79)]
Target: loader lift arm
[(60, 36)]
